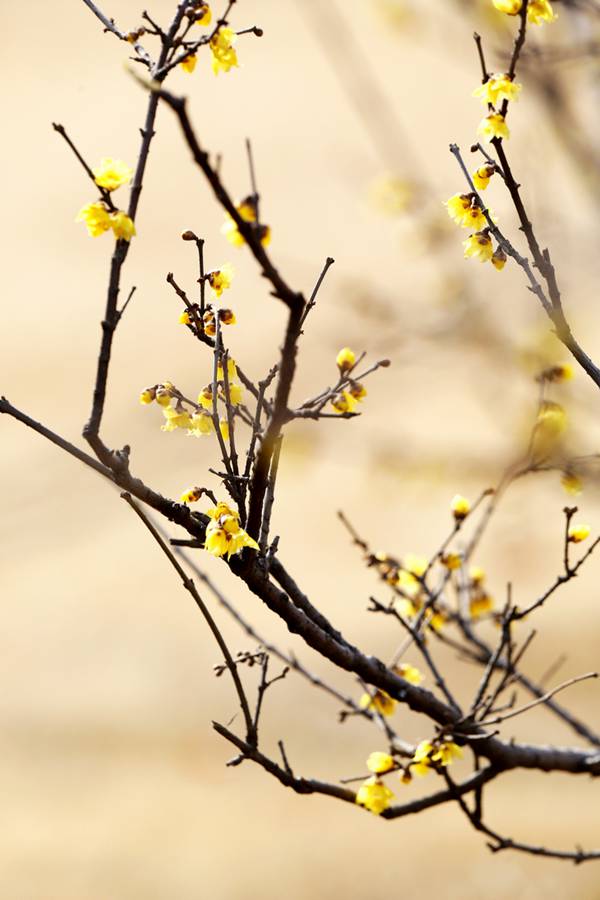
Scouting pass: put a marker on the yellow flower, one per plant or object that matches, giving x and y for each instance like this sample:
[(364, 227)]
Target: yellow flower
[(96, 218), (148, 395), (200, 424), (374, 795), (421, 761), (477, 575), (224, 536), (227, 317), (510, 7), (231, 370), (220, 279), (480, 604), (556, 374), (205, 398), (236, 394), (409, 673), (550, 424), (204, 14), (112, 173), (539, 11), (481, 177), (189, 63), (496, 89), (571, 483), (122, 226), (436, 620), (463, 210), (357, 390), (578, 533), (446, 752), (224, 429), (175, 418), (224, 56), (460, 507), (184, 318), (499, 258), (163, 396), (247, 211), (416, 565), (479, 246), (452, 561), (345, 359), (222, 509), (379, 763), (191, 496), (493, 126), (380, 701), (344, 402)]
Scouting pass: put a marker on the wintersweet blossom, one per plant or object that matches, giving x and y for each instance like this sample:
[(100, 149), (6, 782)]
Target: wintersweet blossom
[(578, 533), (572, 483), (224, 535), (479, 246), (345, 359), (409, 673), (481, 177), (493, 126), (374, 795), (122, 225), (460, 507), (498, 88), (224, 56), (189, 63), (380, 701), (203, 14), (379, 763), (220, 279), (499, 258), (96, 218), (344, 402), (539, 11), (112, 173), (191, 495), (510, 7)]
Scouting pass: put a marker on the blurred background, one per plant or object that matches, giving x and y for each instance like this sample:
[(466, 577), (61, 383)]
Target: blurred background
[(113, 783)]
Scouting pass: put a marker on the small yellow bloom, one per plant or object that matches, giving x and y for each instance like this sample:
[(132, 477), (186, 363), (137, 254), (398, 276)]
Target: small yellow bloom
[(496, 89), (96, 218), (189, 63), (379, 763), (409, 673), (416, 565), (163, 396), (220, 279), (205, 398), (122, 226), (148, 395), (175, 418), (421, 762), (446, 752), (557, 374), (222, 509), (227, 317), (460, 507), (480, 604), (201, 424), (479, 246), (481, 177), (224, 56), (374, 795), (236, 394), (112, 173), (344, 402), (452, 561), (510, 7), (539, 11), (380, 701), (578, 533), (499, 258), (357, 390), (551, 423), (184, 318), (436, 620), (345, 359), (224, 536), (204, 14), (463, 209), (477, 575), (224, 429), (191, 496), (231, 370), (493, 126), (572, 483)]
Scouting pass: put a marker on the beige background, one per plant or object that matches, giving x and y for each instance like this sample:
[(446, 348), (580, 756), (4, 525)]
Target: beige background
[(113, 784)]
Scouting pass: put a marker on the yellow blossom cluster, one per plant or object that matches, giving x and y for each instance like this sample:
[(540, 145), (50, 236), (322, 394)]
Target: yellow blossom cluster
[(247, 211), (429, 755), (102, 216), (224, 535), (538, 11), (220, 279), (224, 56), (350, 395), (479, 246)]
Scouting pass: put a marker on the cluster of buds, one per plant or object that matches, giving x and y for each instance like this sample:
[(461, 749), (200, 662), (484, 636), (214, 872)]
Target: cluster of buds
[(352, 391), (206, 323)]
